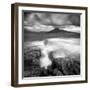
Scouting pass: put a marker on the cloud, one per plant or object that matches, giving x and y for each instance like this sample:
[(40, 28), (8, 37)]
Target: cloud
[(39, 28), (45, 22), (71, 28)]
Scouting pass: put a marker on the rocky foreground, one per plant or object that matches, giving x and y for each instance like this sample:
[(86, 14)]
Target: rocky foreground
[(48, 58)]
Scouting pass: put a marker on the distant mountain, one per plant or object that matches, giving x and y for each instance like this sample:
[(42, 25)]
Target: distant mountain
[(56, 33), (56, 30)]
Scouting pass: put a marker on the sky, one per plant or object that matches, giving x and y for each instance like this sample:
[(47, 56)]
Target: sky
[(37, 22)]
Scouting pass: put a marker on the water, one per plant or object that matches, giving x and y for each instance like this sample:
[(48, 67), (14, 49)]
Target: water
[(61, 47)]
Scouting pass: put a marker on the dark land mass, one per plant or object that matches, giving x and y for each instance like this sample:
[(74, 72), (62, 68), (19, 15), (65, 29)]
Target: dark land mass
[(60, 66), (34, 36)]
